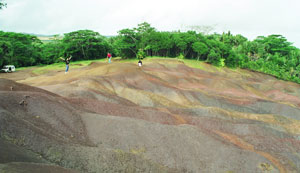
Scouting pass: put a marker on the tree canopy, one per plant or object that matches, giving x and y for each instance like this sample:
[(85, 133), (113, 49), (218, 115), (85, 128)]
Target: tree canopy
[(2, 4), (85, 44), (271, 54)]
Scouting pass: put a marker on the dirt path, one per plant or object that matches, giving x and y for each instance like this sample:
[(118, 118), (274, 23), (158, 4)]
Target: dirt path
[(19, 75)]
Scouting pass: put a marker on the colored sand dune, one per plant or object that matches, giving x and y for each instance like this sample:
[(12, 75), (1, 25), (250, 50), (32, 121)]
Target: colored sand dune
[(162, 117)]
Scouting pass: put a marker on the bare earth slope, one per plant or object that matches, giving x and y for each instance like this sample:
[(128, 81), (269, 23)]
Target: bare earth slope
[(163, 117)]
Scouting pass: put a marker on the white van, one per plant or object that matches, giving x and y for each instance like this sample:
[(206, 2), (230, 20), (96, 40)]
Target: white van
[(8, 68)]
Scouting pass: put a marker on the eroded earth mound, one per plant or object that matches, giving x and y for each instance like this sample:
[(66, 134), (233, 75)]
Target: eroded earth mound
[(162, 117)]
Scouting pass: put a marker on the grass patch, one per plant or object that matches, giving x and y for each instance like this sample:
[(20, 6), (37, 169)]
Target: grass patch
[(23, 68), (194, 64), (42, 69), (45, 69), (62, 65), (129, 60), (87, 62), (188, 62)]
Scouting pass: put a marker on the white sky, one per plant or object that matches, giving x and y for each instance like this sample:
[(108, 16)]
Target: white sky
[(251, 18)]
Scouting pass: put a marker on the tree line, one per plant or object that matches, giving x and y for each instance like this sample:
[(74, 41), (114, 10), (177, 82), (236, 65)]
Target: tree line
[(2, 4), (272, 54)]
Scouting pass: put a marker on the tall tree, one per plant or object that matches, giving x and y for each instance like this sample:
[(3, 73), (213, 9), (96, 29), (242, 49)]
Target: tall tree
[(5, 52), (85, 44), (2, 4), (159, 44), (184, 41), (276, 44), (200, 48), (127, 43), (23, 49), (143, 32), (52, 50)]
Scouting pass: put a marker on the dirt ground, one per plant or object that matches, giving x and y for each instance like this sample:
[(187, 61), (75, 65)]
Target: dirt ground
[(19, 75), (162, 117)]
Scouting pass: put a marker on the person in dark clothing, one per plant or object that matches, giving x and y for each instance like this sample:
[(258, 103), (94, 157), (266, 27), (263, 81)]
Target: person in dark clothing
[(140, 63), (67, 60)]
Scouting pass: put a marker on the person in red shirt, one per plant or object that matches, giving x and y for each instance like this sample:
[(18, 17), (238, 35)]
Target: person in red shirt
[(109, 57)]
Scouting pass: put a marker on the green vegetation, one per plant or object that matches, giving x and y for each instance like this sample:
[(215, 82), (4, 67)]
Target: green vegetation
[(60, 66), (2, 4), (45, 69), (272, 55)]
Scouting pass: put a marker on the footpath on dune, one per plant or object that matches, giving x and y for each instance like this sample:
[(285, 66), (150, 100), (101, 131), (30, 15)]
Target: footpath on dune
[(162, 117)]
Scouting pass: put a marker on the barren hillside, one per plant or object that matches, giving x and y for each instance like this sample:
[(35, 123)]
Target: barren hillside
[(162, 117)]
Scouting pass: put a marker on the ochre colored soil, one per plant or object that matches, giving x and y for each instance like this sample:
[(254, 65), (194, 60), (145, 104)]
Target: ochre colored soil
[(161, 117)]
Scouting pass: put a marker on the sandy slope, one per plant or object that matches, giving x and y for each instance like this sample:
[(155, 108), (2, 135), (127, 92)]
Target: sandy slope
[(163, 117)]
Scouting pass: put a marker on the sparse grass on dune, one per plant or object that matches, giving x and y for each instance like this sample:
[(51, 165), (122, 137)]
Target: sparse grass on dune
[(189, 62), (129, 60), (77, 64), (60, 66), (88, 62), (23, 68), (44, 69)]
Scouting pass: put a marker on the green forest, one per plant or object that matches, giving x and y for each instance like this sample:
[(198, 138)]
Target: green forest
[(271, 54)]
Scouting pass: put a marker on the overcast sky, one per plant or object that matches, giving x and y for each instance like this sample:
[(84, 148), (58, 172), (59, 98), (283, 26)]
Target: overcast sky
[(251, 18)]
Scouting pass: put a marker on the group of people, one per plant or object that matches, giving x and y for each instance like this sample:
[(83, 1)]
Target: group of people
[(109, 56)]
